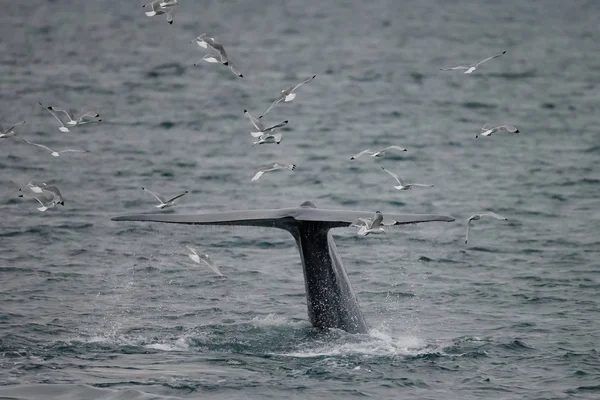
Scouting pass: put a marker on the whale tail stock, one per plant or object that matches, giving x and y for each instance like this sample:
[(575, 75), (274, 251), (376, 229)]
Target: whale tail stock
[(331, 301)]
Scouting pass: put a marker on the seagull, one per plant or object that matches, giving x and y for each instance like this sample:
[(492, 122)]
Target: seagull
[(205, 42), (287, 94), (369, 225), (261, 130), (205, 259), (39, 188), (45, 201), (403, 185), (5, 133), (163, 203), (487, 129), (379, 153), (272, 167), (159, 7), (86, 118), (472, 67), (52, 152), (268, 138), (477, 217), (212, 59)]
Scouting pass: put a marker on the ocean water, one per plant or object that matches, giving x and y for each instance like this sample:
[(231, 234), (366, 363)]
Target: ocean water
[(95, 309)]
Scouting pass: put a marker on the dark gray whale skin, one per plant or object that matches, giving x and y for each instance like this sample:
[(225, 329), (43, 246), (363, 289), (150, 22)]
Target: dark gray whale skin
[(330, 299)]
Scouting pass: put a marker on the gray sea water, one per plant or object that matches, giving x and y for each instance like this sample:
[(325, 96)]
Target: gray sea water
[(95, 309)]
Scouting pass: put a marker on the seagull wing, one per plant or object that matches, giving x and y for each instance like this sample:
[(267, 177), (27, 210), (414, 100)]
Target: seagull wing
[(39, 145), (489, 58), (211, 59), (279, 125), (192, 250), (420, 184), (457, 67), (57, 110), (206, 259), (395, 176), (367, 151), (301, 83), (258, 175), (492, 214), (377, 219), (393, 147), (254, 121), (72, 151), (176, 197), (49, 109), (234, 70), (88, 116), (509, 128), (219, 49), (12, 127), (277, 101), (158, 197)]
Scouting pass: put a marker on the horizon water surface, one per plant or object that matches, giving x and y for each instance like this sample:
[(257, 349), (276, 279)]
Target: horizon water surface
[(97, 309)]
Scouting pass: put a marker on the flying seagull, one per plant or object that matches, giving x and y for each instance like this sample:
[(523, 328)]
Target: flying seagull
[(260, 128), (369, 225), (472, 67), (53, 152), (403, 185), (159, 7), (287, 94), (379, 153), (487, 129), (86, 118), (477, 217), (272, 167), (48, 197), (5, 133), (203, 258), (206, 41), (164, 203)]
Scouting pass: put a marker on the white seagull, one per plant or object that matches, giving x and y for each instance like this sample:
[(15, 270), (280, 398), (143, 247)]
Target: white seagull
[(379, 153), (369, 225), (472, 67), (272, 167), (205, 259), (164, 203), (86, 118), (403, 185), (260, 128), (206, 41), (159, 7), (53, 152), (287, 94), (487, 129), (47, 199), (477, 217), (268, 138), (5, 133)]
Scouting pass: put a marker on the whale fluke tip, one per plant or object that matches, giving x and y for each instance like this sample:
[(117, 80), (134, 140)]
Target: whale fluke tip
[(308, 204)]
